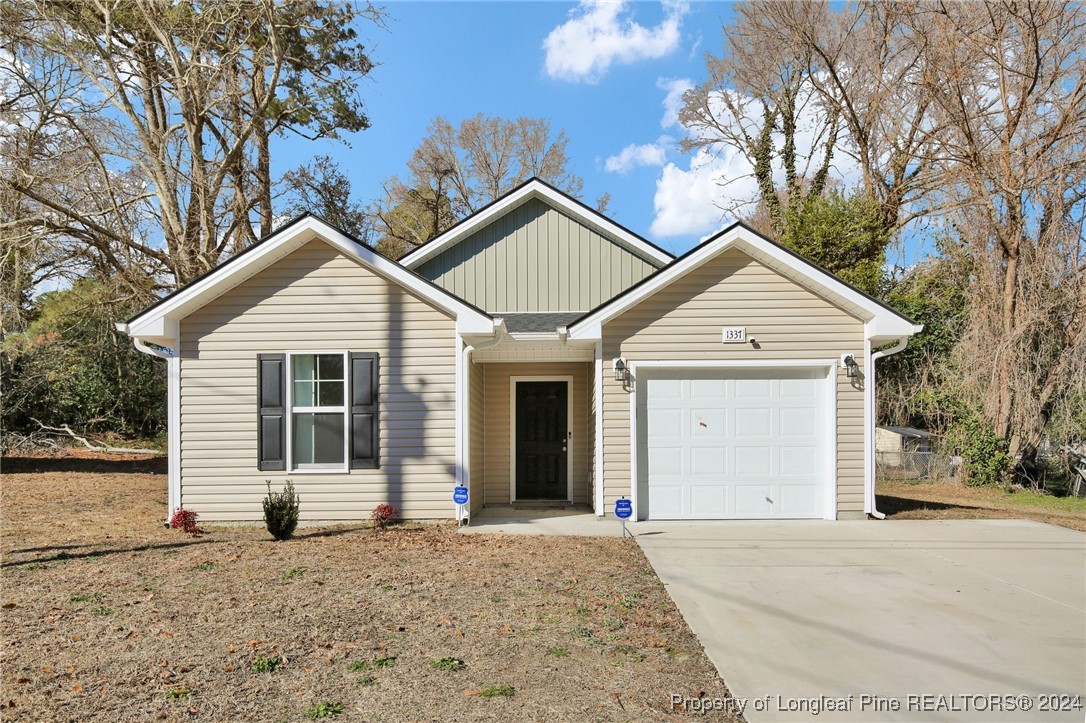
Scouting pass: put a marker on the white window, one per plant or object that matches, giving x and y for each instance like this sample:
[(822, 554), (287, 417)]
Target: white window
[(318, 411)]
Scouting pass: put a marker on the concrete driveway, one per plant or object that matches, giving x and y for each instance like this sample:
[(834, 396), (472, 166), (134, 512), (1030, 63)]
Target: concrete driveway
[(817, 611)]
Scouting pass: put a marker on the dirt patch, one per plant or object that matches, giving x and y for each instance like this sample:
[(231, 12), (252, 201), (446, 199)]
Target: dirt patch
[(106, 614), (953, 501)]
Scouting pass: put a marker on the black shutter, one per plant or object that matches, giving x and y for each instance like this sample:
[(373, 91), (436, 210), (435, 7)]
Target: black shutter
[(271, 411), (365, 418)]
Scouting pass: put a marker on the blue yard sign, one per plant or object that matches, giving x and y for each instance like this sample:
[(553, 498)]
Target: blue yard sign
[(623, 509), (460, 495)]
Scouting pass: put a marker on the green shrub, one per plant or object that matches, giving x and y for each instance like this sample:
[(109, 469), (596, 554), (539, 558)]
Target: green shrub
[(984, 453), (281, 511)]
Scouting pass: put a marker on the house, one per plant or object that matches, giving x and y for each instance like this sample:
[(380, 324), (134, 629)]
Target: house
[(893, 443), (536, 351), (909, 453)]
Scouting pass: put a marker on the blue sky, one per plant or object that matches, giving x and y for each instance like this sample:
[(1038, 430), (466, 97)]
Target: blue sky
[(604, 79)]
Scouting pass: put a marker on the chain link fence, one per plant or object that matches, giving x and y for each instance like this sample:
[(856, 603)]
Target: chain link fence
[(916, 466)]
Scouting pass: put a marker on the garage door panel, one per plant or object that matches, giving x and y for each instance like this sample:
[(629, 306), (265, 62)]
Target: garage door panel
[(665, 389), (708, 461), (752, 388), (797, 421), (717, 444), (796, 499), (803, 461), (666, 500), (664, 423), (798, 389), (753, 422), (708, 501), (708, 423), (753, 500), (753, 461), (708, 388), (667, 462)]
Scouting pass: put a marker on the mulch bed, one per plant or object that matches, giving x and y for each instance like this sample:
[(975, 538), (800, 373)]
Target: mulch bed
[(108, 615)]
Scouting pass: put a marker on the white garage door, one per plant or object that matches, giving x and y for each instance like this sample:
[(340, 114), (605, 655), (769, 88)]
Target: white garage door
[(716, 444)]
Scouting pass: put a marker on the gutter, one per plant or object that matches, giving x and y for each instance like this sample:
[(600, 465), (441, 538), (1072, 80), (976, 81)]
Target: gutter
[(869, 430), (173, 416), (463, 371)]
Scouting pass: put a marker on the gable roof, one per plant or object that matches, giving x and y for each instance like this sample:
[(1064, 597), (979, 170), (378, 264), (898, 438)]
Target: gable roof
[(158, 323), (882, 323), (535, 188)]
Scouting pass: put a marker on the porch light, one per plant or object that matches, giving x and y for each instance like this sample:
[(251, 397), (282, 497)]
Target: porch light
[(852, 369), (622, 373)]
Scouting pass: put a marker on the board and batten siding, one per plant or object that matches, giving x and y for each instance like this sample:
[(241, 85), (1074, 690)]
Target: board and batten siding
[(498, 426), (683, 322), (536, 258), (317, 299)]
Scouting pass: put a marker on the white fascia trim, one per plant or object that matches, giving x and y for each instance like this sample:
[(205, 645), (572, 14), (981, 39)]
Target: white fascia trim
[(534, 189), (534, 336), (878, 320), (157, 322), (732, 363)]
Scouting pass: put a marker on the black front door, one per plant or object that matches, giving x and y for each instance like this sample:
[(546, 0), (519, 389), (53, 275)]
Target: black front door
[(542, 439)]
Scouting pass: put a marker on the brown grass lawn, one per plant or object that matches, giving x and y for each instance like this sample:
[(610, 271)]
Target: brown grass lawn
[(107, 615), (953, 500)]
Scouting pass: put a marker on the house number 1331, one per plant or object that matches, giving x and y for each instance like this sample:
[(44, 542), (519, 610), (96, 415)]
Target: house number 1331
[(735, 334)]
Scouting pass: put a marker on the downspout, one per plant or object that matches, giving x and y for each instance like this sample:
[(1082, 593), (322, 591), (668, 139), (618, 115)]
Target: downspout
[(465, 366), (173, 417), (869, 429)]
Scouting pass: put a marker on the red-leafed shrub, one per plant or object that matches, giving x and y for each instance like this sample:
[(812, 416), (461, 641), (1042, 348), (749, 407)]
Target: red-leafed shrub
[(183, 519), (382, 515)]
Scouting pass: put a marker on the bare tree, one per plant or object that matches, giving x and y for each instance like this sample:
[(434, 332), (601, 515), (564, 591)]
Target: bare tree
[(764, 106), (172, 106), (322, 188), (456, 171), (867, 64), (1008, 82)]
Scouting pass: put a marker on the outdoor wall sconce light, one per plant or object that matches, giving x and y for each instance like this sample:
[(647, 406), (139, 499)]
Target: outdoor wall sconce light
[(622, 372), (852, 369)]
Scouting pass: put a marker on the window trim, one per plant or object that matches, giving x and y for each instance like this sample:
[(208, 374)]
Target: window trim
[(343, 410)]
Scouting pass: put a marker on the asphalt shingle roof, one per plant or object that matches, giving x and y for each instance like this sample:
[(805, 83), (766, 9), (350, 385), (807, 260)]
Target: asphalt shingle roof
[(538, 322)]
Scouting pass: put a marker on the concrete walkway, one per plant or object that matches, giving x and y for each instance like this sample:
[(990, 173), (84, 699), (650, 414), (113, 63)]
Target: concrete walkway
[(955, 608), (563, 521)]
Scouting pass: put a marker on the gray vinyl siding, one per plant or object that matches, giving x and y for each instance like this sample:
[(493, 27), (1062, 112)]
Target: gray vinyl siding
[(477, 450), (682, 322), (498, 425), (317, 299), (536, 258)]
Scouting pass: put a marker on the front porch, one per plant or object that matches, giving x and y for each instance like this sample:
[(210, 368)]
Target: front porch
[(530, 436), (568, 521)]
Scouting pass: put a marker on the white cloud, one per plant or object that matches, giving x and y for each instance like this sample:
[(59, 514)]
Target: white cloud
[(599, 33), (687, 199), (718, 183), (673, 100), (634, 156)]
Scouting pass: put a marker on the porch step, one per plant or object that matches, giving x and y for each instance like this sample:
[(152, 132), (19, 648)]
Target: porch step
[(541, 505)]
